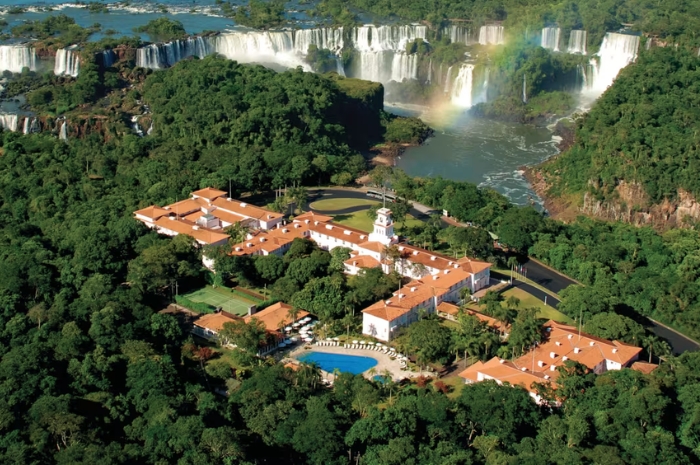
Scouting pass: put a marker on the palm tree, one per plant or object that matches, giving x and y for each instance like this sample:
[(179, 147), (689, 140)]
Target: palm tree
[(392, 254), (513, 302), (512, 264), (292, 313), (464, 293)]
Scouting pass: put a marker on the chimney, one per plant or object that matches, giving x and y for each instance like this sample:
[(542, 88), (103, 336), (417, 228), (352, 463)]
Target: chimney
[(432, 258), (238, 249), (195, 227), (552, 355), (307, 221), (446, 271), (614, 350), (552, 368), (523, 369), (413, 289), (415, 252), (229, 198), (243, 204), (592, 343), (558, 343), (565, 358), (449, 263), (571, 336), (540, 363), (576, 350), (435, 277), (502, 361), (546, 376)]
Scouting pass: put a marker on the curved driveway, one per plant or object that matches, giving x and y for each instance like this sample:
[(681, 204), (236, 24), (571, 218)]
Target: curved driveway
[(540, 274)]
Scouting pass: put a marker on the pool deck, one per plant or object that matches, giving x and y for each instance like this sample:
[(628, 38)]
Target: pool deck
[(383, 360)]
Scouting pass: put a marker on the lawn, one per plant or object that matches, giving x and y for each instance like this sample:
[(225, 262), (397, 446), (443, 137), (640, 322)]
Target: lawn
[(221, 297), (361, 221), (330, 205), (528, 300)]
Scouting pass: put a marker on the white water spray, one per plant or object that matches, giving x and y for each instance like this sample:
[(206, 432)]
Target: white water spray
[(9, 121), (550, 38), (491, 35), (16, 57), (577, 42), (67, 62), (616, 52), (463, 86)]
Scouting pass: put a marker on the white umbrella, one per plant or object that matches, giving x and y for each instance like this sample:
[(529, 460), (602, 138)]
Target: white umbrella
[(306, 319), (354, 342), (293, 339), (308, 339), (288, 328)]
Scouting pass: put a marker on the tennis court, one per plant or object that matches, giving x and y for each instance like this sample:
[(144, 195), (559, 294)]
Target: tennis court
[(221, 298)]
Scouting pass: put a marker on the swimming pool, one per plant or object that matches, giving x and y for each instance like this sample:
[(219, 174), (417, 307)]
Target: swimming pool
[(345, 363)]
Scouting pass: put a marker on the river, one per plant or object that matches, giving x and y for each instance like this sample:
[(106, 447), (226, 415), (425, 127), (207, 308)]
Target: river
[(487, 153)]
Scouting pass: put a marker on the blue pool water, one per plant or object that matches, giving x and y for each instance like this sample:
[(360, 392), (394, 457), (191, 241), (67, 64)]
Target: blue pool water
[(345, 363)]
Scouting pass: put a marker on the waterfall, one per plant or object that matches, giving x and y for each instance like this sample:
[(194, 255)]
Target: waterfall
[(63, 134), (524, 89), (430, 72), (462, 89), (616, 52), (135, 125), (9, 121), (448, 80), (16, 57), (339, 66), (67, 62), (381, 50), (404, 66), (458, 35), (486, 83), (150, 129), (491, 35), (260, 47), (370, 38), (109, 57), (550, 38), (323, 38), (157, 56), (577, 42), (31, 124)]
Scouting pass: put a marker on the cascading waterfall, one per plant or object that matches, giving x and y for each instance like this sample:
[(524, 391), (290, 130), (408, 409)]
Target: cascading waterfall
[(109, 57), (616, 52), (491, 35), (67, 62), (157, 56), (459, 35), (550, 38), (135, 125), (462, 88), (323, 38), (448, 80), (430, 72), (381, 50), (63, 133), (9, 121), (339, 66), (403, 67), (370, 38), (31, 124), (487, 72), (524, 88), (577, 42), (260, 47), (16, 57)]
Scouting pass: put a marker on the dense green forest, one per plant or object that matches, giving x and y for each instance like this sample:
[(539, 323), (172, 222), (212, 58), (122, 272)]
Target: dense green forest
[(642, 130)]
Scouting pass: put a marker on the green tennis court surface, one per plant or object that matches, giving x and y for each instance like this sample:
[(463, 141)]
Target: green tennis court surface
[(221, 298)]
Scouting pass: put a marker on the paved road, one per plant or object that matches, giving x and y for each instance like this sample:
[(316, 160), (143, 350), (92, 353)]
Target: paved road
[(545, 277)]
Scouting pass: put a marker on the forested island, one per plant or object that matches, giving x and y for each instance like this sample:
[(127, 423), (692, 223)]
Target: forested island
[(93, 371)]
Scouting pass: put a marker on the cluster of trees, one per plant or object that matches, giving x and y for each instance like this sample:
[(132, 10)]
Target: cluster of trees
[(642, 130), (309, 278), (61, 28), (260, 14), (163, 29)]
